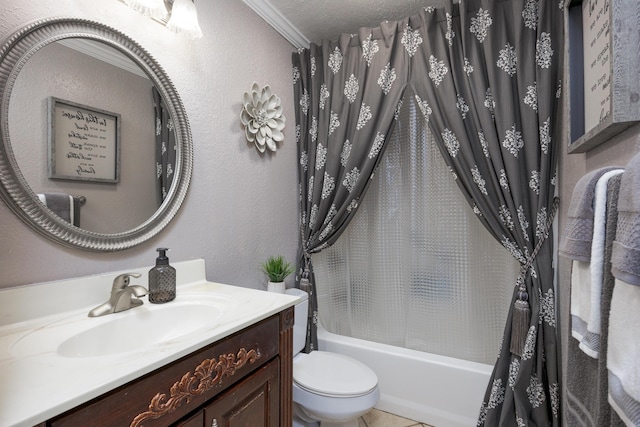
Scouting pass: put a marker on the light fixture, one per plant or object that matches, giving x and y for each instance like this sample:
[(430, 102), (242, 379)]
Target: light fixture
[(184, 19), (180, 16), (152, 8)]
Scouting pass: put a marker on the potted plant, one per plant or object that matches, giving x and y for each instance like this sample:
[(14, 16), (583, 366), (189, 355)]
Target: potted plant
[(276, 268)]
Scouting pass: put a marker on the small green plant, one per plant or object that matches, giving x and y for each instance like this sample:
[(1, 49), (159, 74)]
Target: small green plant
[(277, 268)]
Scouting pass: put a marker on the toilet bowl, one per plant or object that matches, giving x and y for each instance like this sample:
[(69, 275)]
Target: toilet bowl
[(329, 389)]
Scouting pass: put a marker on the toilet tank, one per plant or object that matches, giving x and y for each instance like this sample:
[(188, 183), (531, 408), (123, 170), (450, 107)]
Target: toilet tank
[(300, 320)]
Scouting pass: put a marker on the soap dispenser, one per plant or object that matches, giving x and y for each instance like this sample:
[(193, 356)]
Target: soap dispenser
[(162, 279)]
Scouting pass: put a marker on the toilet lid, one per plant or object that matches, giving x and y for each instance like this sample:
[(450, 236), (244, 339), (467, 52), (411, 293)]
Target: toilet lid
[(332, 374)]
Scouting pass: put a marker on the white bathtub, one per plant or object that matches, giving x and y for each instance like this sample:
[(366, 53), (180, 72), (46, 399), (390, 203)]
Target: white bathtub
[(437, 390)]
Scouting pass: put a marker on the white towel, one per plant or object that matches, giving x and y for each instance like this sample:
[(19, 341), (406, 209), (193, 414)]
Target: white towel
[(622, 353), (587, 277), (580, 299)]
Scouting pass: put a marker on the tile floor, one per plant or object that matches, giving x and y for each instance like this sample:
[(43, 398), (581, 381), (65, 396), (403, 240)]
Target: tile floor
[(377, 418)]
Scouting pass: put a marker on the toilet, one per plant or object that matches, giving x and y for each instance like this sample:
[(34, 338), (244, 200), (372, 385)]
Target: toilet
[(329, 389)]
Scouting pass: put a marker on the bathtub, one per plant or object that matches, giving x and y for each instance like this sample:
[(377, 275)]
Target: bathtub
[(437, 390)]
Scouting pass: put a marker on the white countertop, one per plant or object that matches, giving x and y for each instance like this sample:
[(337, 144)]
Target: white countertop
[(38, 383)]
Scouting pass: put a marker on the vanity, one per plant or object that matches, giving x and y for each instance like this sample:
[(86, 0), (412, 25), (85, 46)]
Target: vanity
[(218, 355)]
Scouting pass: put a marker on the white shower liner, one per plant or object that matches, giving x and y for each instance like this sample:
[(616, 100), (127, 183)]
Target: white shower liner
[(437, 390)]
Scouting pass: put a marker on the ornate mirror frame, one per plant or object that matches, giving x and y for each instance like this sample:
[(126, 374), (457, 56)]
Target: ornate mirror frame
[(14, 189)]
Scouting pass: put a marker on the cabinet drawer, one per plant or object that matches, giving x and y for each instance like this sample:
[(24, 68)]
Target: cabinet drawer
[(167, 394)]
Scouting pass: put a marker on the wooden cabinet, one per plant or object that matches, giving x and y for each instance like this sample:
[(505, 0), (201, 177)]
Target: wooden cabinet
[(254, 402), (196, 420), (242, 380)]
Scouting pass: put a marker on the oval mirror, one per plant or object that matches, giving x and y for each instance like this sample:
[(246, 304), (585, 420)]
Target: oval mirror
[(86, 113)]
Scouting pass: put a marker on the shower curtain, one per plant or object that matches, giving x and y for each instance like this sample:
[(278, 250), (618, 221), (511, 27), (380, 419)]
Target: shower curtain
[(165, 146), (486, 77), (399, 276)]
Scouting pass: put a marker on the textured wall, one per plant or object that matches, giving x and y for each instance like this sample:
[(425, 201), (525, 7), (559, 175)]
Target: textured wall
[(242, 206)]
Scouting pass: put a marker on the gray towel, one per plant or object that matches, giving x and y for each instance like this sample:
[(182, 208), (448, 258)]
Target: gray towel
[(61, 204), (575, 242), (626, 248), (78, 202), (587, 378)]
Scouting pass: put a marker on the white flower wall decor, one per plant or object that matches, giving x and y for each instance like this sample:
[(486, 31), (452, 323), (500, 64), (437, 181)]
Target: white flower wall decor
[(262, 118)]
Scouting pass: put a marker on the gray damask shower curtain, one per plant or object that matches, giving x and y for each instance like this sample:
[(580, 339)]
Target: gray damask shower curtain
[(492, 93), (165, 146), (486, 76), (348, 92)]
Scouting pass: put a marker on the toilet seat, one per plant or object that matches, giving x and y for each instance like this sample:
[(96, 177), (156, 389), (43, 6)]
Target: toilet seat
[(333, 375)]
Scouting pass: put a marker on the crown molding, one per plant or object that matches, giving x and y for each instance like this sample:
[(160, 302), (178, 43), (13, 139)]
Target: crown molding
[(281, 24), (103, 53)]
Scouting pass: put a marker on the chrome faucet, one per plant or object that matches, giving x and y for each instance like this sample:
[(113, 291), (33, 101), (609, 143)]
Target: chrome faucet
[(123, 297)]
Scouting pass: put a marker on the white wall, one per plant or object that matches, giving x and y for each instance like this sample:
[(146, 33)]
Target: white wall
[(241, 206)]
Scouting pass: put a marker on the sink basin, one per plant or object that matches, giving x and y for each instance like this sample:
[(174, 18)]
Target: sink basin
[(147, 327), (140, 329)]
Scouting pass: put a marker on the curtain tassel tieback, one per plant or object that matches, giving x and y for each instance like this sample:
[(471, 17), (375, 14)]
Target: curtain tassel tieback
[(521, 317), (520, 321), (305, 283)]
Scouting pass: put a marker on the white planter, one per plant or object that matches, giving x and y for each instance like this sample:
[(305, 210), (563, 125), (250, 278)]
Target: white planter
[(276, 287)]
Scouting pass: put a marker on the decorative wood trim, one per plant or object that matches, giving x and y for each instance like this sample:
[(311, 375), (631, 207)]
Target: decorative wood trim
[(194, 384), (287, 318)]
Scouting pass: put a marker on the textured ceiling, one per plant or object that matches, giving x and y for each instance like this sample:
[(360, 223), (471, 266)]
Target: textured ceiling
[(326, 19)]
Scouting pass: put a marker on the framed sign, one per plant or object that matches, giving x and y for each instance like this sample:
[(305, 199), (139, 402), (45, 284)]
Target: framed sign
[(604, 69), (84, 142), (596, 46)]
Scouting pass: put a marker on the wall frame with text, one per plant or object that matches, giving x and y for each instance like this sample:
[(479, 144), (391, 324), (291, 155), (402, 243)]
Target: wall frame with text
[(84, 142), (603, 56)]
